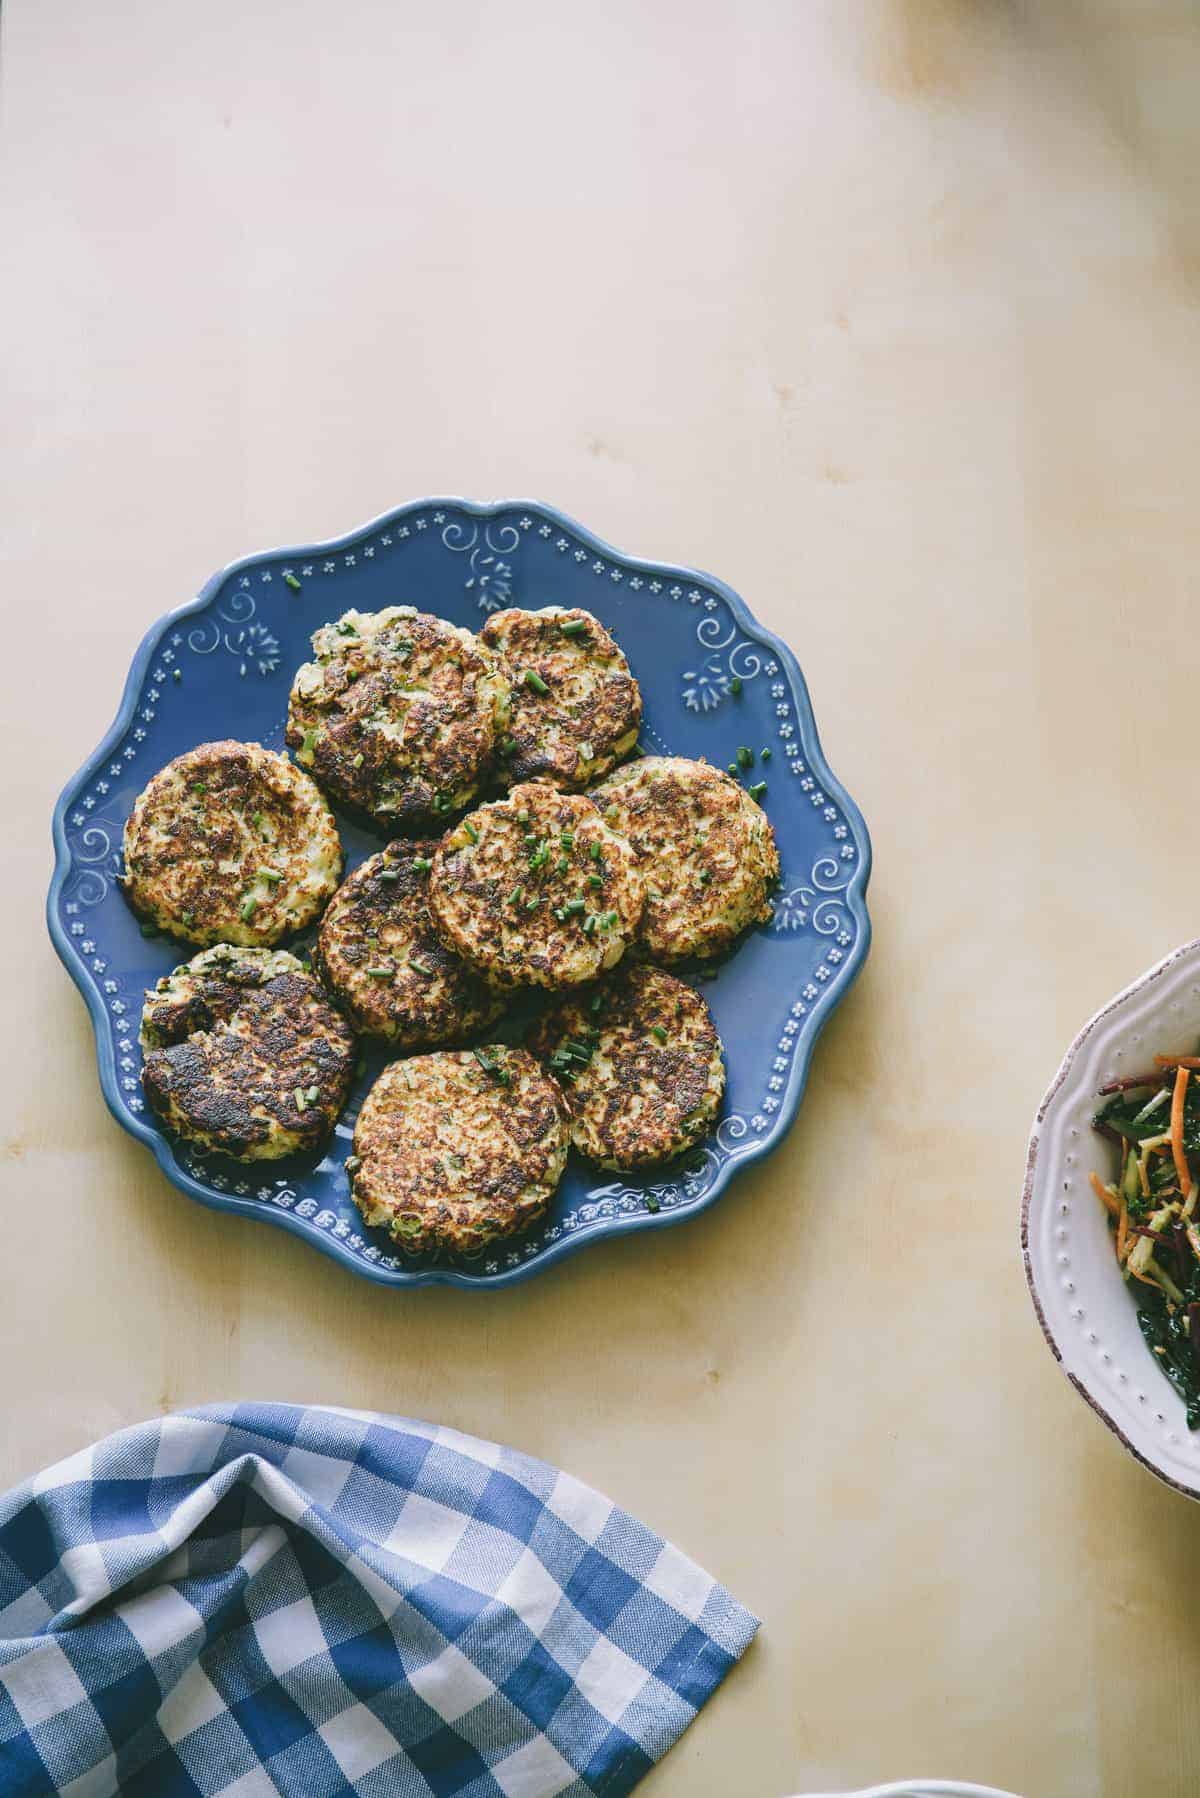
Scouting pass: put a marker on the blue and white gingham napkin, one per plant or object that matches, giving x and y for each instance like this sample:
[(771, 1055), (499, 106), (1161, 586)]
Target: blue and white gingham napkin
[(257, 1600)]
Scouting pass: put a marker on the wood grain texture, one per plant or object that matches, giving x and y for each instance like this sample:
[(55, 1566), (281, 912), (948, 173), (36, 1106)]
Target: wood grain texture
[(888, 314)]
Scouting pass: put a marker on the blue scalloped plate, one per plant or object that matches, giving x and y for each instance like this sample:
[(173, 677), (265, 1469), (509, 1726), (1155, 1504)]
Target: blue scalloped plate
[(712, 679)]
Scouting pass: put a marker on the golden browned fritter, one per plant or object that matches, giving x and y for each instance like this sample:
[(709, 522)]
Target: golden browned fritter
[(576, 709), (230, 843), (705, 850), (455, 1150), (640, 1061), (536, 890), (389, 970), (245, 1054), (398, 716)]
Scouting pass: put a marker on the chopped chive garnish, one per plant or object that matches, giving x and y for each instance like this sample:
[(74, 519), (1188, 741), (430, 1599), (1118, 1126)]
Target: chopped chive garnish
[(289, 580), (573, 627), (441, 802), (575, 905), (382, 973), (422, 863), (658, 1031), (257, 822), (567, 838), (745, 757), (175, 674), (607, 919), (764, 755), (301, 1101), (470, 830), (540, 856), (596, 1001), (391, 875), (532, 903), (533, 679), (594, 851), (516, 896), (651, 1202), (562, 864), (150, 930), (732, 769), (757, 790), (507, 745), (491, 1067), (422, 967), (248, 907), (735, 685), (358, 760), (346, 629), (309, 743), (704, 877), (313, 1094), (200, 786), (270, 874), (523, 816), (595, 880), (589, 924), (531, 839), (187, 918)]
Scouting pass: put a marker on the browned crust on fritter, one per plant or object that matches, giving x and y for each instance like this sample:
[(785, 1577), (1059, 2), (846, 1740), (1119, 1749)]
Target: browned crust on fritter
[(379, 920), (705, 849), (437, 691), (237, 1056), (553, 924), (193, 853), (451, 1156), (589, 715), (640, 1059)]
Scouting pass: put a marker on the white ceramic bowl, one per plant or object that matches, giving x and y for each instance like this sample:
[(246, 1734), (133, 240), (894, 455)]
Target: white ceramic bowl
[(918, 1788), (1088, 1315)]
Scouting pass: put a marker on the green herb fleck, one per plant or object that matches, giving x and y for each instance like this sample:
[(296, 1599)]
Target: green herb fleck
[(651, 1202), (346, 629), (764, 755), (358, 760), (533, 679), (735, 685), (150, 930), (175, 674), (757, 790), (248, 907), (594, 851), (313, 1094), (745, 756), (301, 1101), (516, 896), (470, 830), (657, 1030), (382, 973), (422, 863), (422, 967), (567, 839), (289, 580), (704, 877), (732, 769), (391, 875), (271, 875), (595, 880), (532, 903), (308, 745), (507, 745), (573, 627), (490, 1066), (562, 864)]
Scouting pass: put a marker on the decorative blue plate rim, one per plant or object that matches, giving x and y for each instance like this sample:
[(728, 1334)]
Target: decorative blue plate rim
[(736, 1151)]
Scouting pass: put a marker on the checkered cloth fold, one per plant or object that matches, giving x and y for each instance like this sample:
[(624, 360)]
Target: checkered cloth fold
[(256, 1600)]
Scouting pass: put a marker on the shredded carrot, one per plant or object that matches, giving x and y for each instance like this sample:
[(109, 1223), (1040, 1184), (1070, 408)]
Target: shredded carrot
[(1107, 1199), (1122, 1231), (1177, 1061), (1177, 1098)]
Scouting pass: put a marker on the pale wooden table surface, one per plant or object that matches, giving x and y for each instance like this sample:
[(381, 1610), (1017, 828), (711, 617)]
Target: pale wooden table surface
[(887, 313)]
